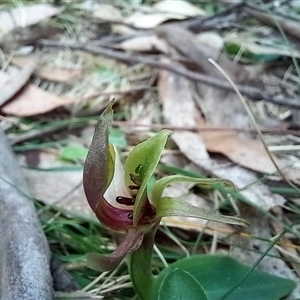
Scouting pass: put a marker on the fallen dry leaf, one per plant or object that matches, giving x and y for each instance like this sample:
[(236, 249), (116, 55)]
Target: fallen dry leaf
[(144, 44), (48, 72), (26, 36), (248, 153), (180, 7), (62, 188), (107, 12), (211, 38), (147, 21), (31, 100), (23, 16), (158, 14), (12, 86), (172, 90)]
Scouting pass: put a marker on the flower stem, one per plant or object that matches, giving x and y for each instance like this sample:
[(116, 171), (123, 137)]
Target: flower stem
[(140, 265)]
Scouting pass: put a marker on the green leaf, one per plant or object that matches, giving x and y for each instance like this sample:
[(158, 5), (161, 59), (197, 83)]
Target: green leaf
[(180, 285), (142, 161), (117, 138), (73, 153), (162, 183), (168, 206), (217, 274)]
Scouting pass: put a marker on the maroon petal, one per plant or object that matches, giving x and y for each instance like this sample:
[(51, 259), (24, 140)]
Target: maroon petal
[(112, 217), (132, 241), (95, 173)]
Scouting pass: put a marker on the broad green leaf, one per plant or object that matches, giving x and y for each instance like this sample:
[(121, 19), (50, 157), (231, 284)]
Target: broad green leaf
[(168, 206), (162, 183), (180, 285), (117, 138), (73, 153), (141, 162), (217, 274)]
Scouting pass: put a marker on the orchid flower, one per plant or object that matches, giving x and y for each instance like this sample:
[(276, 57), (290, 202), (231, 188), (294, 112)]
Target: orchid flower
[(118, 196)]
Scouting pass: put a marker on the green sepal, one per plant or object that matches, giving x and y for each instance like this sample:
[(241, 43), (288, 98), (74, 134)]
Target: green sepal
[(141, 162), (168, 207), (162, 183)]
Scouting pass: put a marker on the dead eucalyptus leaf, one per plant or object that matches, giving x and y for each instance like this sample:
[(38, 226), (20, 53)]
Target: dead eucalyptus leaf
[(23, 16), (172, 89), (31, 100), (144, 44), (48, 72), (62, 188), (13, 85), (248, 153), (107, 12), (180, 7)]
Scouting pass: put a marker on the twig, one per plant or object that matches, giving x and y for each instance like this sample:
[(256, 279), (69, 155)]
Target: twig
[(41, 133), (202, 128), (289, 26), (25, 255), (197, 24), (252, 92), (129, 91), (219, 20)]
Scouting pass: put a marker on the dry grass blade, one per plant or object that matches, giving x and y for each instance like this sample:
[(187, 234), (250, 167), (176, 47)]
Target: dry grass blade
[(255, 125)]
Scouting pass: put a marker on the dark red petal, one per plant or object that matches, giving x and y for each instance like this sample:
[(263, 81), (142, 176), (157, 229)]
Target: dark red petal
[(132, 241), (96, 164), (113, 217)]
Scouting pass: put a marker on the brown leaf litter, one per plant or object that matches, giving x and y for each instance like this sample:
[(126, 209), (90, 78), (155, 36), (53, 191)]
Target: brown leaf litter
[(49, 72), (31, 100), (24, 16)]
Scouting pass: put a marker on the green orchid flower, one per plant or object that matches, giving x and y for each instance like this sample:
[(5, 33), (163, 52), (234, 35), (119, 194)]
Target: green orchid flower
[(118, 196)]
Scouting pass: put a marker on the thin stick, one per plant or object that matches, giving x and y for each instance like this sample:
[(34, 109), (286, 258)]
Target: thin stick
[(252, 92), (202, 128)]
